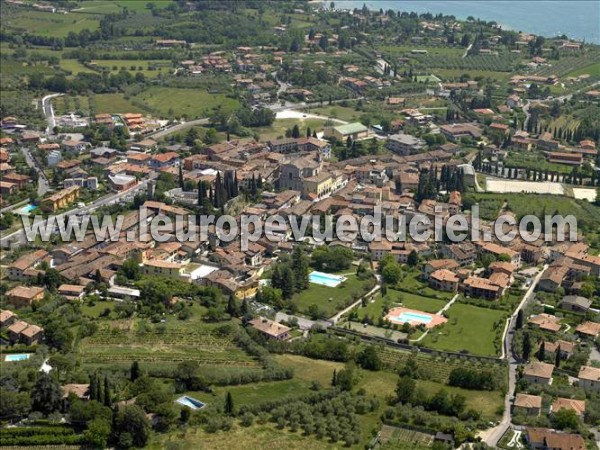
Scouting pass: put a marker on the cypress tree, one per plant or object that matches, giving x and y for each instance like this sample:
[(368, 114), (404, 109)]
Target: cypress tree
[(107, 400), (229, 404), (526, 346)]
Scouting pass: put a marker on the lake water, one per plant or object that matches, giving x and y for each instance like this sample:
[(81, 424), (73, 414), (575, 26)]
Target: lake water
[(578, 19)]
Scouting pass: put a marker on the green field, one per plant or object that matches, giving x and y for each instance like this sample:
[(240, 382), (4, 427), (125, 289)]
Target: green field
[(337, 112), (469, 328), (74, 66), (330, 299), (454, 74), (193, 103), (49, 24), (250, 394), (150, 68), (115, 103)]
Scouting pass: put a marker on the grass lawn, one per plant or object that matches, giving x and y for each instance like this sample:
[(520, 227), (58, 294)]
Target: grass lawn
[(306, 369), (330, 299), (411, 282), (469, 328), (94, 311), (115, 103), (250, 394), (74, 66), (338, 112), (486, 402), (193, 103), (426, 304)]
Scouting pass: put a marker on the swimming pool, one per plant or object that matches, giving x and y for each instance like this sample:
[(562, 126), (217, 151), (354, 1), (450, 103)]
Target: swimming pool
[(406, 316), (17, 357), (325, 279), (27, 209), (190, 402)]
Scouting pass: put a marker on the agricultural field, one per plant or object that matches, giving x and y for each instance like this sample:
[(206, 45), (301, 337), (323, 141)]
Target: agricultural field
[(534, 161), (150, 68), (393, 435), (263, 437), (120, 342), (469, 328), (46, 23), (592, 70), (522, 204), (455, 74), (331, 299), (500, 63), (405, 50)]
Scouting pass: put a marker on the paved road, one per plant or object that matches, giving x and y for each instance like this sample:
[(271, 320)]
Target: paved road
[(493, 435), (49, 112), (43, 184), (18, 237)]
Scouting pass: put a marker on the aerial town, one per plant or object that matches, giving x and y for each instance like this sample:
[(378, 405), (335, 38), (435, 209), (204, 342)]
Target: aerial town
[(145, 113)]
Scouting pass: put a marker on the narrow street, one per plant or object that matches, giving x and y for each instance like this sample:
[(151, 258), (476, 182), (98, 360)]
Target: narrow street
[(493, 435)]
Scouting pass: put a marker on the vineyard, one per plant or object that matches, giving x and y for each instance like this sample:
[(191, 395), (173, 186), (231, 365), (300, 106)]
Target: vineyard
[(568, 64), (501, 63), (396, 434), (434, 368), (119, 343)]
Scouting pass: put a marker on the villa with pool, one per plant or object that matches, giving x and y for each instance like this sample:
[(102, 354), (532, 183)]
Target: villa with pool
[(414, 318)]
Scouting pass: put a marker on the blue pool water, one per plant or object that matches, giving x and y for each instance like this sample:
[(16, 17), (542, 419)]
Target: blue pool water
[(325, 279), (190, 402), (27, 209), (413, 317), (17, 357)]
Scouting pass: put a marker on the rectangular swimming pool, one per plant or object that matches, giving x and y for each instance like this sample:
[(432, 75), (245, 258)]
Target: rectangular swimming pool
[(190, 402), (413, 317), (17, 357), (325, 279)]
